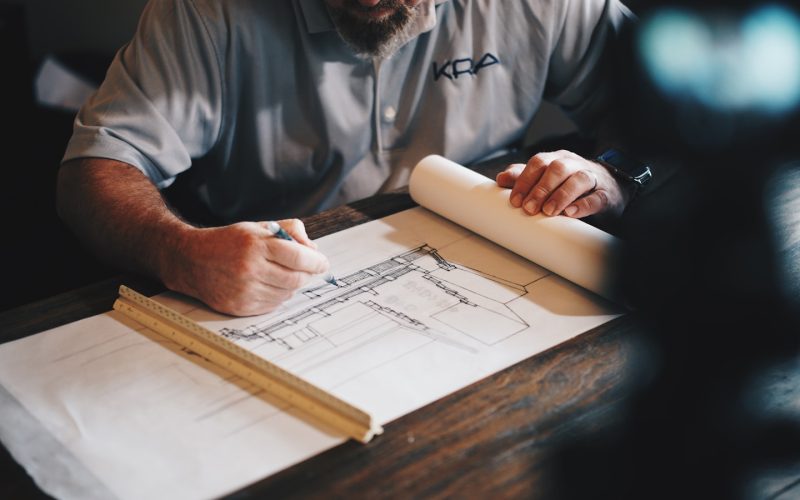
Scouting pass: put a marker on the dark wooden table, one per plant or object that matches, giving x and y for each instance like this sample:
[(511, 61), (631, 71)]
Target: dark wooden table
[(499, 437)]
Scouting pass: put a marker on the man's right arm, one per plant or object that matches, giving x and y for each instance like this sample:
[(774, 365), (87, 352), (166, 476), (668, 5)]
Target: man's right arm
[(237, 269)]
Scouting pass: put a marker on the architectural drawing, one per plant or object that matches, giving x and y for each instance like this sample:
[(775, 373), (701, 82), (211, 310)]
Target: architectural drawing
[(415, 294), (408, 324)]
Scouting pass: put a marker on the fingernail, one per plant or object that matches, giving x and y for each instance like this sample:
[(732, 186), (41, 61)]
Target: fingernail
[(549, 208), (570, 210), (530, 207), (516, 200)]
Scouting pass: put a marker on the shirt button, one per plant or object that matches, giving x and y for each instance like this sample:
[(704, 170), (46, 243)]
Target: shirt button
[(389, 114)]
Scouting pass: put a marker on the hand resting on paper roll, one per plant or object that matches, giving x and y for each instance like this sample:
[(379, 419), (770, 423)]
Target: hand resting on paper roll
[(564, 183)]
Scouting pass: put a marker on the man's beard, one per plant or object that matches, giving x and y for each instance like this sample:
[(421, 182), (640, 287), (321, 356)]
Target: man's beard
[(372, 38)]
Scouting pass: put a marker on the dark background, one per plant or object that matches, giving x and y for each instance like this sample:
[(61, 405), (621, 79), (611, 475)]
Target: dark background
[(39, 257)]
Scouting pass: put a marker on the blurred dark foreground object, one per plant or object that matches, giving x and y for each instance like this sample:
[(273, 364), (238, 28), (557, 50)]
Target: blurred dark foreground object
[(713, 271)]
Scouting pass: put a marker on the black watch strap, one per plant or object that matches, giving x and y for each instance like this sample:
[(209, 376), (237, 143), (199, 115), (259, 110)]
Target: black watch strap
[(625, 168)]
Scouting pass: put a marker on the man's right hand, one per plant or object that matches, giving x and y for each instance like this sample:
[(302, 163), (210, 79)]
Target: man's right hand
[(238, 269), (242, 269)]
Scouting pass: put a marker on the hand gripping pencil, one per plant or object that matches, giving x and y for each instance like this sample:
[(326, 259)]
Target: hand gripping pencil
[(275, 228)]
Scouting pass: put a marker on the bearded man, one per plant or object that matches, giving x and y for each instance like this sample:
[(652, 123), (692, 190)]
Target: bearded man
[(282, 108)]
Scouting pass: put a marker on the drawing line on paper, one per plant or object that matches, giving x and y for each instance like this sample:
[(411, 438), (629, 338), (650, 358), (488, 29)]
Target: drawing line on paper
[(376, 316), (409, 299)]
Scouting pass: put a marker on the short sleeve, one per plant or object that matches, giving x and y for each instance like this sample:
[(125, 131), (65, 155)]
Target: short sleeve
[(579, 74), (160, 104)]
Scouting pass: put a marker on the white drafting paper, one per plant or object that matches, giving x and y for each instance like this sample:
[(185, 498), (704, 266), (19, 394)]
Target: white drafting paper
[(424, 308)]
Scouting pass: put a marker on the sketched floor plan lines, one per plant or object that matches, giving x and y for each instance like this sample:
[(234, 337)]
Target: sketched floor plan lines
[(405, 301)]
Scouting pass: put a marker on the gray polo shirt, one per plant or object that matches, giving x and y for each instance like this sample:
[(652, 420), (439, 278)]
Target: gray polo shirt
[(271, 115)]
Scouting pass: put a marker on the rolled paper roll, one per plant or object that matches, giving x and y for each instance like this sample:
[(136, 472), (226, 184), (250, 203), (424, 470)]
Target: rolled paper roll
[(568, 247)]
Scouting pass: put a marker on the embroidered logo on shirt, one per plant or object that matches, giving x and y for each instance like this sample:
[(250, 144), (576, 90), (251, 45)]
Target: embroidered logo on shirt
[(466, 66)]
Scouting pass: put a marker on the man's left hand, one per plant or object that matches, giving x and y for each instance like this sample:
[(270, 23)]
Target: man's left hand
[(562, 182)]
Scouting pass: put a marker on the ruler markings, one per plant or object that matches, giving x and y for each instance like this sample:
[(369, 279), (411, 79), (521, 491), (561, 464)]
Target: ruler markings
[(264, 374)]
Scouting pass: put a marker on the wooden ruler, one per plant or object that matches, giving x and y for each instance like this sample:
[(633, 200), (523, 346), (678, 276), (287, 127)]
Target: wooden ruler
[(273, 379)]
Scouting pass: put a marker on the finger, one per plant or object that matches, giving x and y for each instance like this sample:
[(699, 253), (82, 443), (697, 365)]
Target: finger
[(283, 279), (509, 176), (260, 298), (529, 176), (576, 185), (551, 178), (297, 230), (266, 298), (295, 257), (593, 203)]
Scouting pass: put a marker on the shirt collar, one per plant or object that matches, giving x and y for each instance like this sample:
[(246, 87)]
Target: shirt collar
[(317, 17)]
